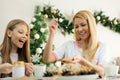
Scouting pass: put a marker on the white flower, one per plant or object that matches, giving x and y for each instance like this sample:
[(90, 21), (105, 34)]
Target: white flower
[(36, 36), (39, 14), (39, 22), (115, 22), (42, 30), (45, 16), (98, 18), (43, 45), (31, 26), (33, 19), (72, 30), (60, 20), (38, 50), (35, 58), (53, 11)]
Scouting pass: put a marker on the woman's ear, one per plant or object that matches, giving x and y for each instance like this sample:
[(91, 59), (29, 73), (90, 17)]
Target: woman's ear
[(9, 33)]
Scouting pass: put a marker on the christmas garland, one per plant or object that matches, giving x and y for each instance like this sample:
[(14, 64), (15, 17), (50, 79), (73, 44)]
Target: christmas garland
[(113, 24), (64, 24), (39, 31)]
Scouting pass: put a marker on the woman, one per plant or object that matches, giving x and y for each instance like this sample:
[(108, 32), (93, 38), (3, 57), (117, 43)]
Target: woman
[(15, 47), (86, 49)]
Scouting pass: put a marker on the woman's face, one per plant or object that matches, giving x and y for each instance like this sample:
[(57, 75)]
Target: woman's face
[(81, 27), (19, 36)]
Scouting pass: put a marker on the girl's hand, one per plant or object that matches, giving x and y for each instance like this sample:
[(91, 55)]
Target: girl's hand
[(29, 68), (53, 26), (6, 68)]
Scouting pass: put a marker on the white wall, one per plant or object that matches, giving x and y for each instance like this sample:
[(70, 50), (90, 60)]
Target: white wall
[(24, 9)]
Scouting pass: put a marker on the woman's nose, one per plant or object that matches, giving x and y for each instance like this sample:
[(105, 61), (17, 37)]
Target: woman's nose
[(80, 28)]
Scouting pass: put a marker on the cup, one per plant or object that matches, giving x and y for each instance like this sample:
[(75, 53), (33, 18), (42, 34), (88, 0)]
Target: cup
[(58, 64), (39, 70), (18, 69), (111, 71)]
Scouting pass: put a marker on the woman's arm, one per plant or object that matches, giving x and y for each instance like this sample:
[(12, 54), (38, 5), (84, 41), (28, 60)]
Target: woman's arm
[(47, 55), (99, 69), (83, 61)]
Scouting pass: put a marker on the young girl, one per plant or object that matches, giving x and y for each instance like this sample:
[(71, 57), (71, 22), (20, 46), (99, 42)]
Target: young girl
[(15, 47)]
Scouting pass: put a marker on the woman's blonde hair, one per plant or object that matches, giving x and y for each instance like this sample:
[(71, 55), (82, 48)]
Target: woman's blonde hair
[(5, 47), (93, 41)]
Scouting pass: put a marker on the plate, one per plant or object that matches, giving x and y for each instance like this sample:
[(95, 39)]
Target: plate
[(80, 77)]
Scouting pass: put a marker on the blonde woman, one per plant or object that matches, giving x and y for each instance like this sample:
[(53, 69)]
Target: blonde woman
[(86, 49), (15, 47)]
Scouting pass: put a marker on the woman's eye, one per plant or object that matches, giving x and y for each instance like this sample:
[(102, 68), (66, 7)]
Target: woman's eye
[(83, 25)]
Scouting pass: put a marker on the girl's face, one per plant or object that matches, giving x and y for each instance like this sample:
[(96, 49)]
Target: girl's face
[(19, 36), (81, 27)]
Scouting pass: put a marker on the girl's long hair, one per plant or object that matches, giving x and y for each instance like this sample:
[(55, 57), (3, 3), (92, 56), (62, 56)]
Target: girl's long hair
[(5, 47), (93, 42)]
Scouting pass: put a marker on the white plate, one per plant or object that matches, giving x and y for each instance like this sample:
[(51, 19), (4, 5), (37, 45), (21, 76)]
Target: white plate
[(80, 77)]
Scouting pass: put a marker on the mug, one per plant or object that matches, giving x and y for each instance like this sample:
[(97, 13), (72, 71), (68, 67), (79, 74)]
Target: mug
[(18, 69), (39, 70)]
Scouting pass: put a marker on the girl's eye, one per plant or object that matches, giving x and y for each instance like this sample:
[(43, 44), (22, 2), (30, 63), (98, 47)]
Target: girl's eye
[(76, 26), (27, 35), (20, 32)]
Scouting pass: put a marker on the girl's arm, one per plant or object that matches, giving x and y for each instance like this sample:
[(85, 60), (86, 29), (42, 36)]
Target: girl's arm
[(6, 68)]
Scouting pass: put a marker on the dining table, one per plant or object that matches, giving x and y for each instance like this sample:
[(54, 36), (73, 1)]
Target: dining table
[(57, 77), (80, 77)]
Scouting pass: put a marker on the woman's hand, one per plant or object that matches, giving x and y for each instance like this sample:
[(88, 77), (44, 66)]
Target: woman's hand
[(6, 68), (53, 26), (29, 68), (78, 59)]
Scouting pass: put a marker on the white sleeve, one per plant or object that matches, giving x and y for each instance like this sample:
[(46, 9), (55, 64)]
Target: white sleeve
[(103, 55), (60, 51)]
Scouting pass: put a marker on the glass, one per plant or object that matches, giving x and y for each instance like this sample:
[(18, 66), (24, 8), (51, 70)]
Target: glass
[(111, 72)]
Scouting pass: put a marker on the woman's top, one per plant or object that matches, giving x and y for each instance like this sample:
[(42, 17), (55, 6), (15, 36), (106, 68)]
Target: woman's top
[(71, 49)]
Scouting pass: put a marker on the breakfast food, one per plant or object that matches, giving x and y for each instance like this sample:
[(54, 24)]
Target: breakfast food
[(66, 60), (18, 64), (68, 69)]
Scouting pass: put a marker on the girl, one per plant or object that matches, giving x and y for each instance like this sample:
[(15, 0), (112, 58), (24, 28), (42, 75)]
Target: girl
[(15, 47)]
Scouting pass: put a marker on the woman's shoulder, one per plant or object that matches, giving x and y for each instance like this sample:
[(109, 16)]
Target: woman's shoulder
[(102, 47), (102, 44)]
